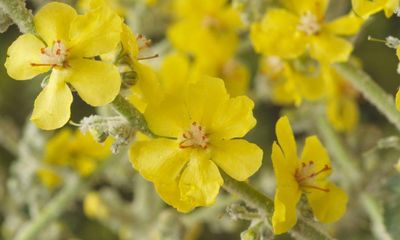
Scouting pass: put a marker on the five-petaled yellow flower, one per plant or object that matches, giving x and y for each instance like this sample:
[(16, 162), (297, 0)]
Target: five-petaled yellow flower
[(365, 8), (66, 44), (306, 175), (303, 28), (199, 130)]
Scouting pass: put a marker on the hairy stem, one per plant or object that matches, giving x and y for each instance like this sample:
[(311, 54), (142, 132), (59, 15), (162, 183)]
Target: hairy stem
[(376, 216), (371, 91), (338, 151), (20, 15), (132, 115), (303, 229)]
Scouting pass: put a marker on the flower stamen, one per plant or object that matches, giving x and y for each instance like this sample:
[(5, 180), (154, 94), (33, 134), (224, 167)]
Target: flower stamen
[(305, 176), (54, 56), (309, 24), (194, 137), (148, 57)]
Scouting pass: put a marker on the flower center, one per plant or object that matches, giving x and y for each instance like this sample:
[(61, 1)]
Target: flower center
[(273, 66), (309, 24), (143, 44), (194, 137), (53, 56), (211, 22), (306, 176)]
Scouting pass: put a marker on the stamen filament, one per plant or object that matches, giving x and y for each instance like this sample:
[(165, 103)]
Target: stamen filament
[(149, 57), (372, 39)]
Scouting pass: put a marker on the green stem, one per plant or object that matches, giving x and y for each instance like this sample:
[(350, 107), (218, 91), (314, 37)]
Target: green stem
[(337, 149), (303, 229), (20, 15), (132, 115), (371, 91), (375, 214)]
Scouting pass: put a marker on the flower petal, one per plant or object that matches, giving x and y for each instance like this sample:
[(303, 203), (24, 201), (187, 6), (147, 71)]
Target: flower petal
[(342, 112), (238, 158), (346, 25), (390, 7), (174, 72), (315, 152), (285, 213), (157, 160), (204, 99), (21, 54), (200, 181), (148, 83), (53, 21), (329, 48), (277, 35), (328, 206), (309, 86), (286, 139), (398, 100), (170, 118), (284, 168), (52, 106), (365, 8), (129, 42), (234, 119), (96, 32), (96, 82), (170, 193), (317, 7)]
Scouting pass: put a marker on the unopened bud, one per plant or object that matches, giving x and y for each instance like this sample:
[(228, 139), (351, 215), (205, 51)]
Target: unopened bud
[(129, 78)]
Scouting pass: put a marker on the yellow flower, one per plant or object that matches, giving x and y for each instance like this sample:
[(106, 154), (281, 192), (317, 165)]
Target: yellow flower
[(70, 43), (177, 69), (306, 175), (213, 26), (365, 8), (115, 5), (235, 74), (289, 85), (342, 108), (302, 28), (75, 150), (93, 206), (199, 131), (49, 178), (147, 86)]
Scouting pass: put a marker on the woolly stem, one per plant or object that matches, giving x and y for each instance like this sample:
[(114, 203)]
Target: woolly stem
[(132, 115), (17, 11), (337, 149), (371, 91)]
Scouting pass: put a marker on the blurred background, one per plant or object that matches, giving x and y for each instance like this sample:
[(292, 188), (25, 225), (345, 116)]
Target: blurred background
[(117, 203)]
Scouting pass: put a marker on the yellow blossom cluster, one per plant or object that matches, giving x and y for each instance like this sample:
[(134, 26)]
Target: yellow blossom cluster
[(74, 150), (299, 46), (196, 104)]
